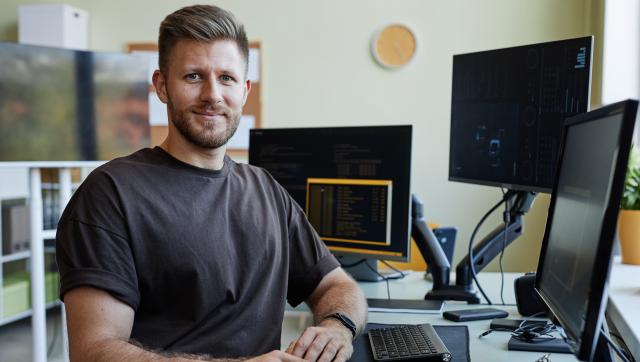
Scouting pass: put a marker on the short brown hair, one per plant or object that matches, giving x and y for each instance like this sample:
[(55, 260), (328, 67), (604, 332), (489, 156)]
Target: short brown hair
[(200, 22)]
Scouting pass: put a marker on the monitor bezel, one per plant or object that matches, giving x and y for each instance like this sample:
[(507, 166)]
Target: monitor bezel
[(515, 186), (407, 130), (584, 344)]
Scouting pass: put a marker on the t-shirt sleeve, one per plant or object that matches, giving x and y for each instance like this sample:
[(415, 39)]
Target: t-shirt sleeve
[(92, 243), (310, 260)]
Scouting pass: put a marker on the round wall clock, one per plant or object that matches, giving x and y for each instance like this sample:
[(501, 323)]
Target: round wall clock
[(394, 46)]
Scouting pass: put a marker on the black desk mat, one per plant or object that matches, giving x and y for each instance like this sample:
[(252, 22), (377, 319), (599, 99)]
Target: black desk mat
[(456, 338)]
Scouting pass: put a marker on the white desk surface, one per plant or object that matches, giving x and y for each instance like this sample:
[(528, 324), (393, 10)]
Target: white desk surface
[(624, 303), (492, 347)]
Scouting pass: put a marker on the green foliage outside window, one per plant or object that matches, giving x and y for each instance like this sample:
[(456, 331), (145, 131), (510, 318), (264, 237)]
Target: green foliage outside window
[(631, 193)]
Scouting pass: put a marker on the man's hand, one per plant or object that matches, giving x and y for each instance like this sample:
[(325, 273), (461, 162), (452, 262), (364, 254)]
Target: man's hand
[(329, 341), (276, 356)]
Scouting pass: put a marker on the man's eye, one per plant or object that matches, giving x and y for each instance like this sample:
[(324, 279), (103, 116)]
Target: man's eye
[(192, 76), (226, 78)]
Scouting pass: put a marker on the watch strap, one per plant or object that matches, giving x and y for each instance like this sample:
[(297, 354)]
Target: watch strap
[(348, 323)]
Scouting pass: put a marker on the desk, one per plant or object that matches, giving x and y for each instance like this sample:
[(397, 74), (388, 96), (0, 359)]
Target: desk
[(492, 347), (624, 299)]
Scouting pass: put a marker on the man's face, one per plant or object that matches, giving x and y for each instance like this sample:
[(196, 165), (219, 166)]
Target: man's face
[(204, 90)]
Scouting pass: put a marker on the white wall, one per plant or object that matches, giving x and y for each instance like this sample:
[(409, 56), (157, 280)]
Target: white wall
[(317, 71), (621, 59)]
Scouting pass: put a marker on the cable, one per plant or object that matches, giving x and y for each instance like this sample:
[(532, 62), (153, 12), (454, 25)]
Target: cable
[(391, 266), (619, 337), (621, 340), (507, 220), (529, 319), (381, 276), (470, 252), (534, 331), (400, 274), (531, 331), (505, 305), (615, 347)]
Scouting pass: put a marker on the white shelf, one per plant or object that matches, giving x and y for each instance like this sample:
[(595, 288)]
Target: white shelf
[(26, 313), (31, 178), (15, 317), (15, 256), (23, 255)]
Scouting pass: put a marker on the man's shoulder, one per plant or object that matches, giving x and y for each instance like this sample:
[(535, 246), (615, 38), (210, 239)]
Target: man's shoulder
[(256, 174), (136, 159), (247, 170), (142, 156), (256, 177), (121, 167)]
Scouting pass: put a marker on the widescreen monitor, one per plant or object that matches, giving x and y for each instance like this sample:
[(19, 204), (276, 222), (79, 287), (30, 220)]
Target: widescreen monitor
[(61, 105), (507, 109), (353, 183), (577, 248)]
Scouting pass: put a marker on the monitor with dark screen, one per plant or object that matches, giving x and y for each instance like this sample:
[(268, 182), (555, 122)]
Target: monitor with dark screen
[(353, 183), (507, 109), (576, 252)]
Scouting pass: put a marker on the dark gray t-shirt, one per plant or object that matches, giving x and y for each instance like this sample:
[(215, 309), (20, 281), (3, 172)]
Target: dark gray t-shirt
[(207, 259)]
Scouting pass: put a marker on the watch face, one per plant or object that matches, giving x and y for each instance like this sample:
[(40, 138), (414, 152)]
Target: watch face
[(394, 46)]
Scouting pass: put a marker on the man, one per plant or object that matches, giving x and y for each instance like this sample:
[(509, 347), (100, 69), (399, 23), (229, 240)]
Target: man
[(179, 253)]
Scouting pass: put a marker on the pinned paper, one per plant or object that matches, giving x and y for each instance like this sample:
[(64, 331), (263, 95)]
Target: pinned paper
[(254, 65), (240, 139)]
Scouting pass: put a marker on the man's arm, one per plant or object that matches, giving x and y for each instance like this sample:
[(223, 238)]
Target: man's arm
[(329, 340), (99, 328)]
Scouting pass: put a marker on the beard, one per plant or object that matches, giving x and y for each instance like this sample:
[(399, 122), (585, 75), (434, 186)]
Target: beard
[(205, 135)]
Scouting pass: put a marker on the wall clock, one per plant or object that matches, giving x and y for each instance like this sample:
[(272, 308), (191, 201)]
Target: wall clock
[(394, 46)]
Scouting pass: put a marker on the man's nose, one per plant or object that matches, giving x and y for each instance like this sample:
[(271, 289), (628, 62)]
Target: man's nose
[(211, 92)]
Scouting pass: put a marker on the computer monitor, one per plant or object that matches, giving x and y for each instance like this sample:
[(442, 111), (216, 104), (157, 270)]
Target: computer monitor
[(576, 251), (507, 110), (353, 183)]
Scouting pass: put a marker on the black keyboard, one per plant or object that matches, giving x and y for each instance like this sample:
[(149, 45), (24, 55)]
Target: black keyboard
[(407, 342)]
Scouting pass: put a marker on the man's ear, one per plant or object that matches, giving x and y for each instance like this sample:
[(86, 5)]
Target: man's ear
[(160, 84), (247, 89)]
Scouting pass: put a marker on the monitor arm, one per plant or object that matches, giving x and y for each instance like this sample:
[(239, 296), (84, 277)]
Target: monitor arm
[(486, 250), (428, 245), (491, 245)]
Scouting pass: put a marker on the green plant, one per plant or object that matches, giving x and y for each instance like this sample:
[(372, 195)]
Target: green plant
[(631, 192)]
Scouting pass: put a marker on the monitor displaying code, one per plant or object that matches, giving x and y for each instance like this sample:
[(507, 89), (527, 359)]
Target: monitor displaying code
[(350, 210)]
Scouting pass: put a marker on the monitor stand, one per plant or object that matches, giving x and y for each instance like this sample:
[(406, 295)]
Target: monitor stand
[(488, 248), (363, 269)]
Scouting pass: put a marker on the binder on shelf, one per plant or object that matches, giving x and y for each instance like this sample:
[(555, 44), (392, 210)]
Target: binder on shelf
[(15, 226)]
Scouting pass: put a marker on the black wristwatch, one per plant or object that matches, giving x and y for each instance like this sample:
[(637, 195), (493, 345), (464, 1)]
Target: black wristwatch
[(348, 323)]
